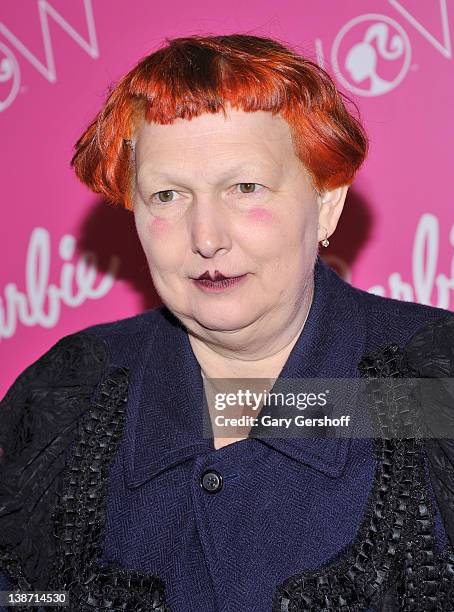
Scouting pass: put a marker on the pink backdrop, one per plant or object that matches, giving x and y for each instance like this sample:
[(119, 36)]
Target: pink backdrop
[(69, 260)]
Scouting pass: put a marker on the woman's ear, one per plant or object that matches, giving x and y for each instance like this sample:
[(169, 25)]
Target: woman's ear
[(330, 206)]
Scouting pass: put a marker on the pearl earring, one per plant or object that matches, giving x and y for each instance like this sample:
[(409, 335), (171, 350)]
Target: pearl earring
[(325, 241)]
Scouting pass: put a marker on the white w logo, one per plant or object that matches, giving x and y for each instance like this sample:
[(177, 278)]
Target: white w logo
[(47, 69)]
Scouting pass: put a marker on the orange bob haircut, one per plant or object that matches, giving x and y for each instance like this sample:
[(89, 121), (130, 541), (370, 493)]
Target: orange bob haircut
[(195, 75)]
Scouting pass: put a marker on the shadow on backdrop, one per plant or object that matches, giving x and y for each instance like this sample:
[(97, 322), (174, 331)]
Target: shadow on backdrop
[(109, 230), (352, 234)]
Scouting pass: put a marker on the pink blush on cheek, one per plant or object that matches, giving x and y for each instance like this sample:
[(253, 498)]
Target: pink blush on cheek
[(260, 214), (157, 227)]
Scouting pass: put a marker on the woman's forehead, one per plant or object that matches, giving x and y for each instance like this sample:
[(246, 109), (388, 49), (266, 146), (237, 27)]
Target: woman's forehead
[(243, 126), (257, 138)]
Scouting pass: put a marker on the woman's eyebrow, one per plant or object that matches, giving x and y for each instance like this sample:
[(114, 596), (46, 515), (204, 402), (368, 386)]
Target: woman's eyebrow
[(148, 172)]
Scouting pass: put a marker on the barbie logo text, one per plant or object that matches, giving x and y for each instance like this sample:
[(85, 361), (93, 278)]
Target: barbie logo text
[(41, 302), (424, 270)]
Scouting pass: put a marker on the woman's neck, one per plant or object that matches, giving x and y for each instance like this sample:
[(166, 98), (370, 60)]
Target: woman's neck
[(215, 364)]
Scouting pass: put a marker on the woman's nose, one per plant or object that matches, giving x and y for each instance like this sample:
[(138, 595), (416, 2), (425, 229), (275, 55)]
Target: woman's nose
[(209, 228)]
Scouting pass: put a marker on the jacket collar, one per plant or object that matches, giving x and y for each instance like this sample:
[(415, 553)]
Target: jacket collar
[(164, 420)]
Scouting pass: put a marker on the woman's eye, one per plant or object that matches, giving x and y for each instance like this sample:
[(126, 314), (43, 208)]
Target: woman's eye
[(168, 195), (248, 187), (162, 197)]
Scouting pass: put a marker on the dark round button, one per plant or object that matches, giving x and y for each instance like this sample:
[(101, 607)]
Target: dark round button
[(211, 481)]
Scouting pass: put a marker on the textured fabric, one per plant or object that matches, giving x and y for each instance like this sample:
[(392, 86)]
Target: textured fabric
[(430, 354), (286, 505)]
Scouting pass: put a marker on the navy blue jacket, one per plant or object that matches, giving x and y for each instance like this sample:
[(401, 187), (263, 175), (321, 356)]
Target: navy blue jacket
[(287, 507)]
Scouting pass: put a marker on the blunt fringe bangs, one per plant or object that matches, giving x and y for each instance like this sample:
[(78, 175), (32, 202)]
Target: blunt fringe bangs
[(204, 74)]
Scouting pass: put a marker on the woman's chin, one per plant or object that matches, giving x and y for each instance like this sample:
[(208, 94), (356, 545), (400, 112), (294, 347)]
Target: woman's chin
[(223, 320), (216, 325)]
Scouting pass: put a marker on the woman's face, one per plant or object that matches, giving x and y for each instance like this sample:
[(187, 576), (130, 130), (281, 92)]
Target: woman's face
[(226, 194)]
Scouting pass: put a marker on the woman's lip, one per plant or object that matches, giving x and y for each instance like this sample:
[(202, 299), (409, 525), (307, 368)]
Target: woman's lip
[(222, 277), (209, 286)]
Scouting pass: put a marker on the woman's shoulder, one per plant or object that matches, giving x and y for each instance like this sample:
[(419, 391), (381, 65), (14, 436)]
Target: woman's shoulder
[(387, 305), (82, 355), (127, 341), (382, 320), (143, 323), (388, 320)]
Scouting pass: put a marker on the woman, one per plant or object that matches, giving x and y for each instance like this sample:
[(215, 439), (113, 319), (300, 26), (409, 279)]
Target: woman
[(235, 155)]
